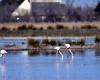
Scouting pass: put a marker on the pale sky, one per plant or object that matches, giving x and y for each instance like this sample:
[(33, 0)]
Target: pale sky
[(86, 2), (79, 2)]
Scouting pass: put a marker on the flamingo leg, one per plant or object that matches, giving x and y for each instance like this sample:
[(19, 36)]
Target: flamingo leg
[(61, 54), (56, 52), (71, 53)]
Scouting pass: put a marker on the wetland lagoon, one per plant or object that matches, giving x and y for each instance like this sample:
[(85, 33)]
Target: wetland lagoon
[(40, 65), (20, 65)]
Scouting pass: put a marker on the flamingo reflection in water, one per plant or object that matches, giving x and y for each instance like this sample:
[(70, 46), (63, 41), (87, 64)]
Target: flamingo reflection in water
[(3, 71), (3, 67), (62, 62)]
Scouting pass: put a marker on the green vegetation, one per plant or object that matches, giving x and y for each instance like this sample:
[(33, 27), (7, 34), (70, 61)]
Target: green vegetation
[(33, 43), (46, 42), (49, 42), (57, 30), (53, 43), (22, 27), (4, 29), (97, 39), (82, 42), (58, 26), (89, 27), (25, 27), (41, 28), (31, 27), (50, 28)]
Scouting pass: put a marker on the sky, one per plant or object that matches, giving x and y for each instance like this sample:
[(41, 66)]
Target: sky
[(77, 2), (85, 2), (82, 2)]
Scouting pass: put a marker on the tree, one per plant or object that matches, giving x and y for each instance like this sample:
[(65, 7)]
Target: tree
[(97, 9), (33, 43), (19, 1), (97, 40), (69, 4), (3, 2), (11, 2)]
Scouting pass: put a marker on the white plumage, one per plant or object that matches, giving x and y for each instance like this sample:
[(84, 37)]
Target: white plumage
[(2, 52), (57, 48), (67, 46)]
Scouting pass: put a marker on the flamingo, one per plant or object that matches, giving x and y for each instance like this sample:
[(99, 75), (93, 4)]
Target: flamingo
[(68, 48), (2, 53), (58, 51)]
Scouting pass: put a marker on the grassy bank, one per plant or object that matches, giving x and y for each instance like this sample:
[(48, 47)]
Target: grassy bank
[(45, 25), (50, 29)]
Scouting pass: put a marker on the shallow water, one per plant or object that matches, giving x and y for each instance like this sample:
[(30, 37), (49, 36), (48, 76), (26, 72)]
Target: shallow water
[(18, 42), (21, 66)]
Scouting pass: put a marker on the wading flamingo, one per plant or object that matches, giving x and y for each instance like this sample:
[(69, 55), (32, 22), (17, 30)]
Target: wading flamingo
[(2, 52), (67, 48), (58, 51)]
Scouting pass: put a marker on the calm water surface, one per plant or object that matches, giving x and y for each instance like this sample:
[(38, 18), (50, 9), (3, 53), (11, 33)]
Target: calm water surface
[(21, 66)]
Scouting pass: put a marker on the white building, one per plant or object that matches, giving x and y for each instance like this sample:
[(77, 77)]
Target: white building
[(23, 9), (40, 10)]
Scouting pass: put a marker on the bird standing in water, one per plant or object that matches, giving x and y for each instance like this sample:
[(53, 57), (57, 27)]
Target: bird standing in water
[(67, 47), (2, 54)]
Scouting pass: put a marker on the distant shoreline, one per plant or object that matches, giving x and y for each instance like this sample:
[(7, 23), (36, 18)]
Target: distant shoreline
[(49, 29), (45, 37), (51, 48), (14, 48)]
